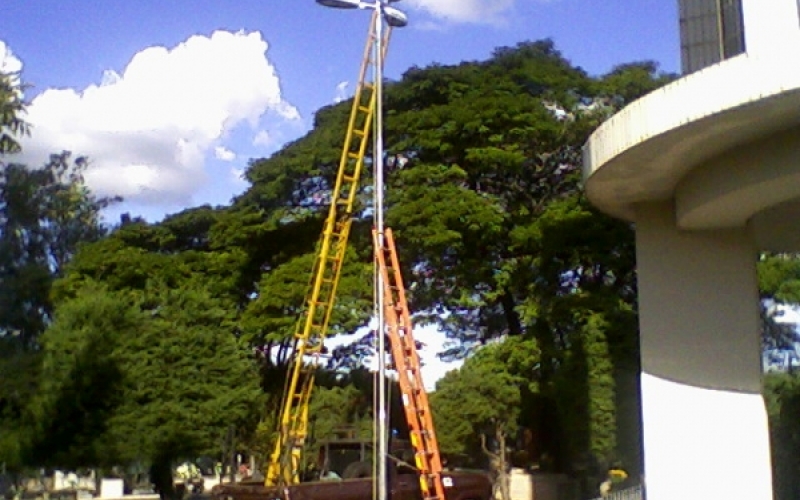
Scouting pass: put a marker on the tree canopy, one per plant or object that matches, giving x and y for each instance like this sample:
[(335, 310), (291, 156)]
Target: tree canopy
[(149, 377), (485, 198)]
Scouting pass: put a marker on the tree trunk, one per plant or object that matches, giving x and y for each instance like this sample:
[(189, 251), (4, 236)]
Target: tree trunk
[(510, 311), (502, 476), (161, 477), (499, 463)]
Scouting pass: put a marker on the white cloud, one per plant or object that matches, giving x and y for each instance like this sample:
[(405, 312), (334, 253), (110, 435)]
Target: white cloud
[(263, 139), (341, 92), (465, 11), (149, 129), (9, 63), (237, 174), (287, 111), (224, 154)]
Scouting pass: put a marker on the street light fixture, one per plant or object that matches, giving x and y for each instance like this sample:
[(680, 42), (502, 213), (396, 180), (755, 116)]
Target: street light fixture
[(340, 4), (394, 18)]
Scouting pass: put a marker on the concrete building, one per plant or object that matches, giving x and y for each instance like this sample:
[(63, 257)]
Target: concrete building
[(708, 169)]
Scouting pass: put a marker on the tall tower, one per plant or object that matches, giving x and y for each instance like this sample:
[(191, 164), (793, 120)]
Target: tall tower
[(711, 30), (715, 30)]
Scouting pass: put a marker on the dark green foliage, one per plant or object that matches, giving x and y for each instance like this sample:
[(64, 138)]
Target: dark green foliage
[(340, 407), (476, 410), (479, 401), (80, 380), (272, 315), (151, 376), (627, 82), (19, 380), (497, 238), (488, 157), (779, 277)]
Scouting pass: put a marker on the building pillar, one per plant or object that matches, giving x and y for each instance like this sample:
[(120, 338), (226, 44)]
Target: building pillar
[(705, 424)]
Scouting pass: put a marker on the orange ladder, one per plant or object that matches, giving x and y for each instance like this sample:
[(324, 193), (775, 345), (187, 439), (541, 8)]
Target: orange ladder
[(406, 362)]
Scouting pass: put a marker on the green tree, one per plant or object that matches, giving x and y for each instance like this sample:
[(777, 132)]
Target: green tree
[(339, 407), (143, 377), (19, 377), (12, 108), (489, 149), (628, 82), (81, 380), (476, 409), (779, 285), (494, 232), (498, 238), (45, 214)]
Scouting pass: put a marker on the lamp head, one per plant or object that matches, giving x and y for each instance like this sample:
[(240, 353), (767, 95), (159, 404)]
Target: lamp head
[(340, 4), (394, 17)]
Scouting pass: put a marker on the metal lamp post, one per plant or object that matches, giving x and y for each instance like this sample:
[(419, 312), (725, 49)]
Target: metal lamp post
[(396, 19)]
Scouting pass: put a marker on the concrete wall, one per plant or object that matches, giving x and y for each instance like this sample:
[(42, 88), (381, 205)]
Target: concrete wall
[(770, 25), (526, 486)]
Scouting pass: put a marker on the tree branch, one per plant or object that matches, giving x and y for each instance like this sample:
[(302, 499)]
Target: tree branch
[(485, 449)]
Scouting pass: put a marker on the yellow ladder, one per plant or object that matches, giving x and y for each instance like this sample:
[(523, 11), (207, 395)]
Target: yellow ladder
[(405, 359), (312, 327)]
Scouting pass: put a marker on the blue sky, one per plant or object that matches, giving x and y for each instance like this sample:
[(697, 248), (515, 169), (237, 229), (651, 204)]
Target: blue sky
[(171, 99)]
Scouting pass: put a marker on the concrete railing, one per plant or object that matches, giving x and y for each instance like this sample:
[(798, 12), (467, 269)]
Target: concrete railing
[(713, 90)]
